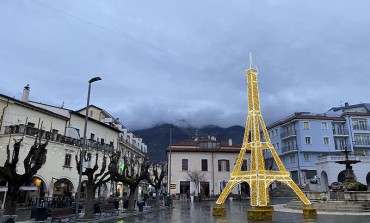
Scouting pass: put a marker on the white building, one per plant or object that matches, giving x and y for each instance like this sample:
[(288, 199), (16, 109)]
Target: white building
[(215, 159), (64, 128)]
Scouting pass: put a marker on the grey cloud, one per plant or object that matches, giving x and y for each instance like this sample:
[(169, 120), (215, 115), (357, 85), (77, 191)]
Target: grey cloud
[(185, 61)]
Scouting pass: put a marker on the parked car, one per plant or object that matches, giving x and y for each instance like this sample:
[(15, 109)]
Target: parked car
[(314, 180)]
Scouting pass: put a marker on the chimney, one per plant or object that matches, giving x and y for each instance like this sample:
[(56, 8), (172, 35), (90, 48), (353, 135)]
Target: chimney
[(26, 93), (230, 142), (346, 104)]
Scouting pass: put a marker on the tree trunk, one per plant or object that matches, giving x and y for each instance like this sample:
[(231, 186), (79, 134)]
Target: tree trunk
[(11, 199), (89, 201), (157, 202), (131, 198)]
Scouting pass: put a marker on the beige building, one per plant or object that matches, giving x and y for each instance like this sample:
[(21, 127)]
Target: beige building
[(64, 128), (214, 159)]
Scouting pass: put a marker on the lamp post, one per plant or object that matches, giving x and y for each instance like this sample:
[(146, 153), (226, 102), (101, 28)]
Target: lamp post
[(82, 154), (169, 167)]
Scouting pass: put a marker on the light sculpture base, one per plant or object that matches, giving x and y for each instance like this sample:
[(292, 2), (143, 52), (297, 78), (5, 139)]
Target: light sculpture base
[(260, 213), (309, 212), (219, 210)]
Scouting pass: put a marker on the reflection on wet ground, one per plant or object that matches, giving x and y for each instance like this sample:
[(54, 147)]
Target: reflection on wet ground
[(236, 211)]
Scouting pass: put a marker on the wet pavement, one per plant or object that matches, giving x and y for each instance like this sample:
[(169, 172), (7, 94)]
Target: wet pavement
[(236, 211)]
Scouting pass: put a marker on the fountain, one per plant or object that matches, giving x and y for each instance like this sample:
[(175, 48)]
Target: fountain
[(350, 183)]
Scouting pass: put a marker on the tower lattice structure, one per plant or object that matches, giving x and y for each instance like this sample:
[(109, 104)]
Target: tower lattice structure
[(257, 177)]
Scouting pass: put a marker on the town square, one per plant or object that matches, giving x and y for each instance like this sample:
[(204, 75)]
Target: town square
[(187, 111)]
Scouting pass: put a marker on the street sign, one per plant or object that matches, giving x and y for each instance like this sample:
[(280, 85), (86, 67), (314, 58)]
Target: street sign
[(173, 186)]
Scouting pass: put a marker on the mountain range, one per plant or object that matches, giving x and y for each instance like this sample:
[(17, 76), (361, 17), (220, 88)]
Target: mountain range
[(157, 138)]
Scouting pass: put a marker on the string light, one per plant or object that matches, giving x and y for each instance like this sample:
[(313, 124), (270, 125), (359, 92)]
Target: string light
[(257, 177)]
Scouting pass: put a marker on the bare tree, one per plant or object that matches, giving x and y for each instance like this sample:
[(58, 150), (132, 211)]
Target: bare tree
[(196, 177), (95, 179), (156, 179), (34, 160), (133, 172)]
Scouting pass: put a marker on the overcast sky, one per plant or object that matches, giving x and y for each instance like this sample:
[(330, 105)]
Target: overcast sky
[(185, 61)]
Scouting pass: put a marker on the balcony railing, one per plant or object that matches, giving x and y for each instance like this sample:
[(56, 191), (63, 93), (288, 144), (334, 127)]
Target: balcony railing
[(334, 158), (340, 132), (30, 131), (127, 143), (288, 134), (361, 127), (285, 149)]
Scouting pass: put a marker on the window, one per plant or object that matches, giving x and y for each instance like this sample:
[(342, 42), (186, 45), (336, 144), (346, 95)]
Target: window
[(307, 157), (88, 157), (92, 136), (277, 147), (326, 140), (223, 165), (184, 166), (306, 125), (67, 159), (308, 140), (204, 164), (324, 125), (340, 144), (292, 159), (244, 165), (276, 132), (91, 113)]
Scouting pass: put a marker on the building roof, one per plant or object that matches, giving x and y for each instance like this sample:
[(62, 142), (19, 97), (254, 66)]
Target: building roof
[(96, 121), (192, 145), (305, 116), (364, 105), (33, 107), (197, 149)]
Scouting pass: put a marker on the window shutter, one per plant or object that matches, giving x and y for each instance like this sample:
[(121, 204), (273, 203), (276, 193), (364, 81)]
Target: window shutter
[(219, 165), (227, 165)]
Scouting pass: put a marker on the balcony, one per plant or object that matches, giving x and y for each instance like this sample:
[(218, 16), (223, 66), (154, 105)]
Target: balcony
[(288, 134), (286, 149), (360, 127), (340, 132), (333, 158), (30, 131), (133, 146)]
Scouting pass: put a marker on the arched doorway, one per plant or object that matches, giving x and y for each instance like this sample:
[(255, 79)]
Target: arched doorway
[(324, 181), (244, 189), (368, 179), (31, 196), (63, 188), (38, 182)]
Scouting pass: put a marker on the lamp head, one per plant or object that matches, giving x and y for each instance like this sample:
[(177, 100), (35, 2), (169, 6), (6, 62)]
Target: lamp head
[(94, 79)]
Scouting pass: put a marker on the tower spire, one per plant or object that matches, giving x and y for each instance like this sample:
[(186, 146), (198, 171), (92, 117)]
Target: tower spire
[(250, 60)]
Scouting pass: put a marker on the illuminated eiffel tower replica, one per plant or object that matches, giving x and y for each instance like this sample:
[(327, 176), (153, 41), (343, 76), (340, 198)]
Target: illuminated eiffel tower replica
[(258, 177)]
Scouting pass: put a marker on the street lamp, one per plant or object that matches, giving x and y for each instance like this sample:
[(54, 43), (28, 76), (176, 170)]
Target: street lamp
[(169, 168), (84, 148)]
